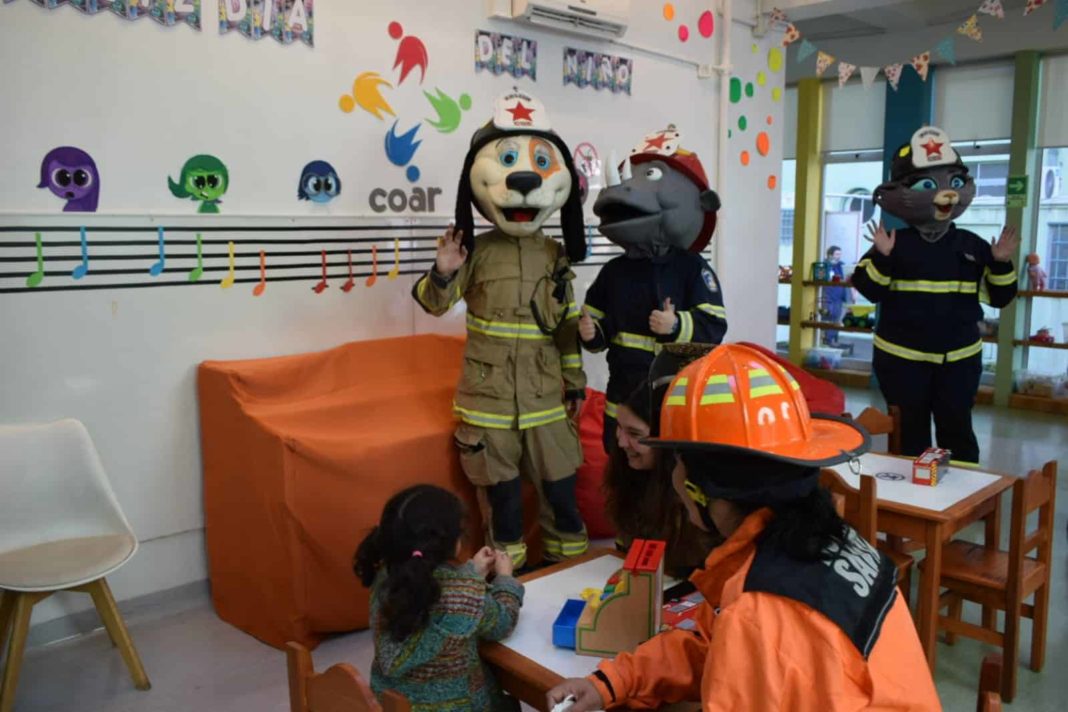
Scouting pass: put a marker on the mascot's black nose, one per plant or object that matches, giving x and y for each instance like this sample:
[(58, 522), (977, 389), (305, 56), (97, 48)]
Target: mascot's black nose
[(523, 181)]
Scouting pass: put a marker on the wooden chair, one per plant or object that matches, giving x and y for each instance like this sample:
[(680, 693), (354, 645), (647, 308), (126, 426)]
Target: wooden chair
[(1002, 580), (861, 512), (989, 684), (877, 422), (339, 689)]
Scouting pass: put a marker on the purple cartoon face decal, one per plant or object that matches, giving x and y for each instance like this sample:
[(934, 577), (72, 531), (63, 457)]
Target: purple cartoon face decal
[(71, 174)]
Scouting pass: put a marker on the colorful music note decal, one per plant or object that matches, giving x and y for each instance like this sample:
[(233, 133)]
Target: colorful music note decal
[(82, 269), (347, 287), (156, 269), (34, 279), (258, 289), (228, 280), (374, 267), (197, 272), (318, 289), (395, 272)]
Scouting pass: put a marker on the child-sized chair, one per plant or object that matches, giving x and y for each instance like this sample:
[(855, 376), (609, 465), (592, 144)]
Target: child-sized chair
[(61, 529), (339, 689), (1002, 580)]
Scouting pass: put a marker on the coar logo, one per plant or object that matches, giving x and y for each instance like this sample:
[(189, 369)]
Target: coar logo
[(402, 141)]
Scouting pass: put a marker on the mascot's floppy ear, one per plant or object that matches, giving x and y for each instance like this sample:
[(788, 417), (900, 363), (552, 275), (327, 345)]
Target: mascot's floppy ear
[(572, 222), (710, 201), (465, 219)]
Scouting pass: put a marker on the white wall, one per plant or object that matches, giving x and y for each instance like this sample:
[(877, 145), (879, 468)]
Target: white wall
[(124, 361)]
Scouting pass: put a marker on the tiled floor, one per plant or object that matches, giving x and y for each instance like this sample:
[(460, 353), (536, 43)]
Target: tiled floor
[(199, 663)]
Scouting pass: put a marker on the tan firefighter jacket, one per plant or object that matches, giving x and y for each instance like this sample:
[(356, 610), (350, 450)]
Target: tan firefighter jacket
[(515, 375)]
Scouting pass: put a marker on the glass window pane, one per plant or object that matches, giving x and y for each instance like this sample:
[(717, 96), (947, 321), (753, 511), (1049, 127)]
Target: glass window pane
[(1051, 247)]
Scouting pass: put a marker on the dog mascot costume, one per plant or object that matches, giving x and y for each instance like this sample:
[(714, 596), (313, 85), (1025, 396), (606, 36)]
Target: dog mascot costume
[(929, 279), (662, 212), (522, 374)]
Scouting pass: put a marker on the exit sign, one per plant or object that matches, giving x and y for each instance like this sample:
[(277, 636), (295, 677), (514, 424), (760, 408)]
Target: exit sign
[(1016, 192)]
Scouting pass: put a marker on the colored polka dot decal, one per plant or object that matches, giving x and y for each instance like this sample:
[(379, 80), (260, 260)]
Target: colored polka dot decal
[(669, 11), (729, 133), (706, 24), (743, 123), (684, 33), (762, 78), (770, 120), (395, 30), (755, 48), (776, 94), (745, 158), (775, 59), (763, 143), (736, 90), (347, 103), (772, 182), (749, 89)]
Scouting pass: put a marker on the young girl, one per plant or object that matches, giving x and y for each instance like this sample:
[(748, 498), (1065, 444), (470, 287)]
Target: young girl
[(428, 613)]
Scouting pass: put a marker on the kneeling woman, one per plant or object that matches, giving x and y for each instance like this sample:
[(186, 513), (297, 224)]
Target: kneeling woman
[(801, 613)]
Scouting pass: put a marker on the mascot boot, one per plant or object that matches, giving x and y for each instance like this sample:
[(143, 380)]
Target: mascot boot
[(522, 374), (662, 212), (929, 279)]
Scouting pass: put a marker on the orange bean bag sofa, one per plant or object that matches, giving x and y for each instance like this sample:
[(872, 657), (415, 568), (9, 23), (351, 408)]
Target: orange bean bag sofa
[(300, 455)]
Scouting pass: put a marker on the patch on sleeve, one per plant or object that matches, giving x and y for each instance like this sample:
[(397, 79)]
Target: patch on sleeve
[(710, 280)]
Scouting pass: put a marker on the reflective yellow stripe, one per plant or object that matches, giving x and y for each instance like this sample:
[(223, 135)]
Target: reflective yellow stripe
[(517, 553), (572, 311), (963, 463), (544, 417), (1000, 280), (966, 352), (575, 548), (570, 361), (567, 548), (678, 392), (933, 287), (610, 409), (717, 391), (762, 383), (483, 419), (906, 353), (635, 341), (772, 390), (505, 330), (874, 274), (714, 310), (594, 311), (696, 494), (685, 328)]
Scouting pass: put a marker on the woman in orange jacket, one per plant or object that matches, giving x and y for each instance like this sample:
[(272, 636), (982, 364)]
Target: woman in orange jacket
[(800, 613)]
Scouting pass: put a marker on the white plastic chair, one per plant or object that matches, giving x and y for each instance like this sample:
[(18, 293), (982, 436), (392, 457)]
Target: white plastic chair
[(61, 529)]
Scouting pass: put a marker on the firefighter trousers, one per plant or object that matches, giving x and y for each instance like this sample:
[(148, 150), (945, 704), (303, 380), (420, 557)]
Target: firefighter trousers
[(496, 461), (924, 390)]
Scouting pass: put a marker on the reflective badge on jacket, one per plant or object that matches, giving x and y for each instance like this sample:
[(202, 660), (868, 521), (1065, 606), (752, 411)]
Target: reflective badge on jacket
[(854, 585), (710, 281)]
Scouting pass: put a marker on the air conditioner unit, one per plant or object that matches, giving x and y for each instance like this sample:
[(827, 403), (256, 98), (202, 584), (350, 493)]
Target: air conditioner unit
[(591, 18), (1051, 183)]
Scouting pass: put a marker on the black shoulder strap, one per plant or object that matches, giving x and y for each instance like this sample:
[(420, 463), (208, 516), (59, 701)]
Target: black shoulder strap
[(854, 585)]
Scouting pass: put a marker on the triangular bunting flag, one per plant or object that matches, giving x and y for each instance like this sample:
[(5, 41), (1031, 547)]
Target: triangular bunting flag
[(845, 71), (1060, 14), (893, 74), (971, 28), (948, 49), (920, 63), (867, 76), (823, 60), (792, 35), (993, 8), (1033, 5), (805, 50), (777, 16)]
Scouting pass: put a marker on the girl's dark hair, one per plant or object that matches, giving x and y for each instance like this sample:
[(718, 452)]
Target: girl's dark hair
[(802, 528), (417, 533)]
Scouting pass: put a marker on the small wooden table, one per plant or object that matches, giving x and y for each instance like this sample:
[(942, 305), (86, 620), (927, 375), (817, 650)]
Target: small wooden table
[(932, 515)]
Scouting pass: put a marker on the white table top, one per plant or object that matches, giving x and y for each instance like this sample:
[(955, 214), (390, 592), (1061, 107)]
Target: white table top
[(959, 483)]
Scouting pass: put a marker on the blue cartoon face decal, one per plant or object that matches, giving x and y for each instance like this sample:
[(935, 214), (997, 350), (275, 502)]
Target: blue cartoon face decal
[(319, 183)]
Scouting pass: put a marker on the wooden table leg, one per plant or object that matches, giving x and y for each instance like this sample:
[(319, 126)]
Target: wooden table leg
[(992, 540), (929, 580)]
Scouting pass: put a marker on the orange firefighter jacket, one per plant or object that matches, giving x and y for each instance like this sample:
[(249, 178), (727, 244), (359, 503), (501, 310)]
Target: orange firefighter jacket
[(758, 652)]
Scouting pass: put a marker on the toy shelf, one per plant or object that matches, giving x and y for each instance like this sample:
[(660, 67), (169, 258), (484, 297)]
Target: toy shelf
[(1039, 403), (1039, 344), (786, 281), (1045, 293), (828, 326), (815, 283)]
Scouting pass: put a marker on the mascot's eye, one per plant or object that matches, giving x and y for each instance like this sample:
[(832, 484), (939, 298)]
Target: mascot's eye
[(213, 181), (199, 182), (82, 178), (956, 183), (542, 159), (509, 158), (61, 177), (329, 185), (654, 174), (924, 184), (312, 184)]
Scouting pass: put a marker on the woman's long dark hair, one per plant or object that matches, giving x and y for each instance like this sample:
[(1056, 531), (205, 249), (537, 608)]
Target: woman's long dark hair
[(803, 528), (417, 533)]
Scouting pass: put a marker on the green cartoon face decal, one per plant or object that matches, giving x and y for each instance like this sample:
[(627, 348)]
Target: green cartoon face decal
[(203, 179)]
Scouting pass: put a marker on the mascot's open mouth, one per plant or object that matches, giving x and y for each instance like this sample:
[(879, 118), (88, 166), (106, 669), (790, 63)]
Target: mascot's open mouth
[(943, 212), (613, 212), (520, 215)]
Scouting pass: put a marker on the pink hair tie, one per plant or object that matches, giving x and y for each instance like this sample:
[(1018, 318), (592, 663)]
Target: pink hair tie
[(417, 554)]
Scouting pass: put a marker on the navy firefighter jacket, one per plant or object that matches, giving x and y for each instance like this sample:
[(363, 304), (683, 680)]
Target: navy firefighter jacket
[(624, 294), (930, 294)]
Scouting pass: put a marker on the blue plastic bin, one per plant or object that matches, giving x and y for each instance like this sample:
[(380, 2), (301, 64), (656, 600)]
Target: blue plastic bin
[(565, 624)]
